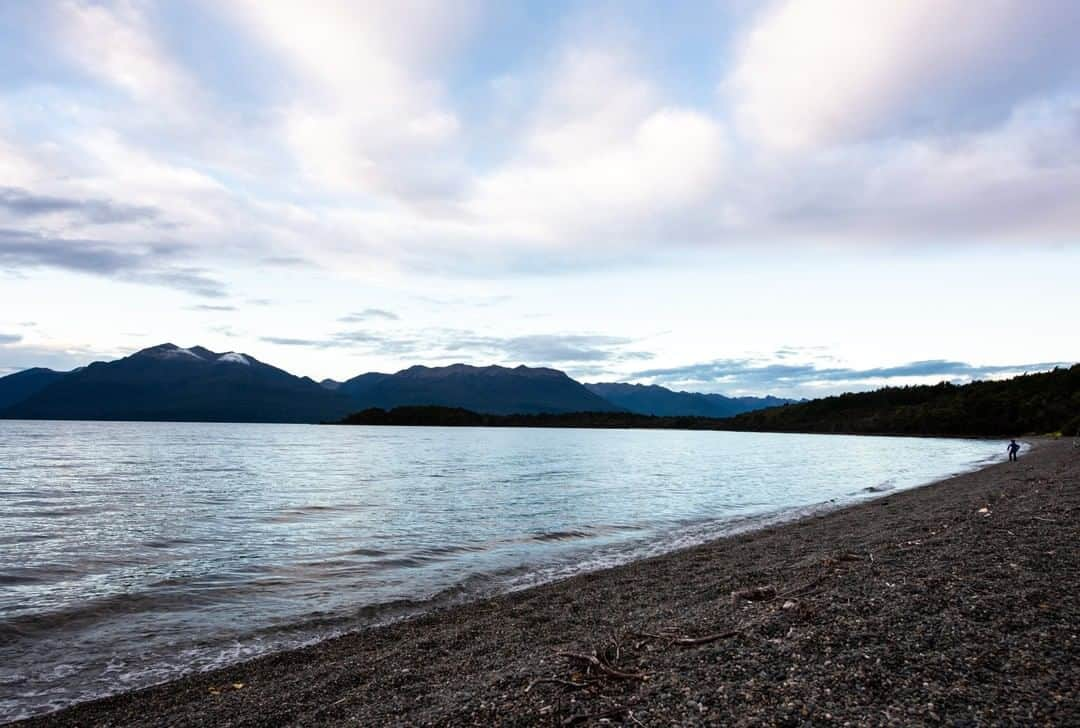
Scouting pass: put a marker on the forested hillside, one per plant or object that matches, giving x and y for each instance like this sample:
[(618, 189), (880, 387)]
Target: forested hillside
[(1028, 404)]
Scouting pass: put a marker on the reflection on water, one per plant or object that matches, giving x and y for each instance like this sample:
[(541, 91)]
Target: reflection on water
[(132, 552)]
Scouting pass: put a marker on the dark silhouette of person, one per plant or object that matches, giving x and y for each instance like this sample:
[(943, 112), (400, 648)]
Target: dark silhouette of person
[(1013, 448)]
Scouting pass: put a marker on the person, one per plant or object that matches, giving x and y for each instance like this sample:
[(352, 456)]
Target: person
[(1014, 448)]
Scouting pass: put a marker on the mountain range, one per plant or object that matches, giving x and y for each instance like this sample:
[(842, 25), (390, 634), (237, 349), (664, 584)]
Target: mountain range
[(171, 383), (652, 399)]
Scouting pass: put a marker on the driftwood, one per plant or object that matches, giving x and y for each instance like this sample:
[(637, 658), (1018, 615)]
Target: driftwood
[(600, 665), (558, 681), (754, 594), (687, 641)]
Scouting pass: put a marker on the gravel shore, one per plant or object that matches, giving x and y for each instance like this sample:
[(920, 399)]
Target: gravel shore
[(956, 603)]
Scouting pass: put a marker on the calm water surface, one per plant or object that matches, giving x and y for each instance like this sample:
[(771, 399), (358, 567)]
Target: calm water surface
[(134, 552)]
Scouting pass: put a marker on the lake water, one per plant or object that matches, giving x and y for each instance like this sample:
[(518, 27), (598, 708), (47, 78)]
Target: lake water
[(131, 553)]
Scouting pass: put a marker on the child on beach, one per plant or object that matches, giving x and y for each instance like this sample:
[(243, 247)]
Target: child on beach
[(1013, 449)]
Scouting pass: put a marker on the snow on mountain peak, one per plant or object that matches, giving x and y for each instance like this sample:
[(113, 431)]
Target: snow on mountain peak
[(234, 358), (169, 351)]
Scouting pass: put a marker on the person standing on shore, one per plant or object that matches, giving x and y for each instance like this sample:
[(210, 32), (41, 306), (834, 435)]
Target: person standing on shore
[(1013, 448)]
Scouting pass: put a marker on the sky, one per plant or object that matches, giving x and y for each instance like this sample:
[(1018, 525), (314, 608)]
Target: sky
[(796, 197)]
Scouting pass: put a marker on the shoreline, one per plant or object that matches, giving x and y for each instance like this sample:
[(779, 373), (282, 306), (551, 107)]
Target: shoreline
[(838, 594), (937, 436)]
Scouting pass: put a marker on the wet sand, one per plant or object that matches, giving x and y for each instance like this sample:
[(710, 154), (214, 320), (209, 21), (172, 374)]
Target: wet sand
[(956, 603)]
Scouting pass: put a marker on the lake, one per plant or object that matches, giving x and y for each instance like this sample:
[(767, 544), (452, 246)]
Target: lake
[(131, 553)]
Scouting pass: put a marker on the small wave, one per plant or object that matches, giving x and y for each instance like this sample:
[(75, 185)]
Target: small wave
[(54, 512), (291, 515), (570, 535), (167, 543), (10, 579), (27, 537), (367, 552)]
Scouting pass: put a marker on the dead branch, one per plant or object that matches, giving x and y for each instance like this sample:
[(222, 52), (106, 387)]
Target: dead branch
[(754, 594), (802, 590), (557, 681), (687, 641), (676, 639), (599, 665)]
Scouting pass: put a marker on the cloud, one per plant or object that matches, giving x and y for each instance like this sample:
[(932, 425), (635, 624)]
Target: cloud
[(741, 376), (368, 112), (556, 348), (448, 344), (622, 166), (369, 314), (811, 73), (10, 338), (22, 203), (287, 261), (367, 141), (150, 264), (117, 45), (18, 355), (288, 341), (209, 307)]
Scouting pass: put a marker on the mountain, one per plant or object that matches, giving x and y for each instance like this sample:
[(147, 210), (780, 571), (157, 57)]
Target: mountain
[(167, 382), (1032, 403), (19, 386), (652, 399), (489, 390), (357, 387), (171, 383)]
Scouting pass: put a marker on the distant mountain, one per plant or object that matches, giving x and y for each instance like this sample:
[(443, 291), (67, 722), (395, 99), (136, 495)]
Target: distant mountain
[(170, 383), (489, 390), (19, 386), (1032, 403), (357, 387), (651, 399)]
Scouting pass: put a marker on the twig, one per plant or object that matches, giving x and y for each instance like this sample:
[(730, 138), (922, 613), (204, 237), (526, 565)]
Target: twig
[(754, 594), (796, 591), (556, 681), (651, 635), (599, 665), (706, 639), (687, 641)]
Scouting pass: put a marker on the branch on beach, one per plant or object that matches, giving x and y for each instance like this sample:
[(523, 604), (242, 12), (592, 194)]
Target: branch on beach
[(559, 681), (595, 661), (684, 641), (754, 594)]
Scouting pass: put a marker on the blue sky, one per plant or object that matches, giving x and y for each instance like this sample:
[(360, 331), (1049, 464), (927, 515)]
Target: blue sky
[(794, 197)]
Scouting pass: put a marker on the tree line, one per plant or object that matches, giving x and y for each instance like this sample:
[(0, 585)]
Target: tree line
[(1041, 403)]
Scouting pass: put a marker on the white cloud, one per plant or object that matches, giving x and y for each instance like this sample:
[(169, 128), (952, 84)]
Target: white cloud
[(812, 73), (16, 169), (1016, 181), (116, 43), (369, 113), (604, 159), (604, 167)]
